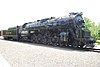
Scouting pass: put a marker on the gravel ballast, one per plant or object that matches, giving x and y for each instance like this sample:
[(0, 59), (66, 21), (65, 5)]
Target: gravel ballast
[(27, 55)]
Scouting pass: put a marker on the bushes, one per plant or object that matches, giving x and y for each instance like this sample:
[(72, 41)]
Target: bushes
[(98, 41), (95, 29)]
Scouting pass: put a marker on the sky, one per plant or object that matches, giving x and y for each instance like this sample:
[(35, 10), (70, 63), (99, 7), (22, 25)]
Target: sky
[(18, 12)]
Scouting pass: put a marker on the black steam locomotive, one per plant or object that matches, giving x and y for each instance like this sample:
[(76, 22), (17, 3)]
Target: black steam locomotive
[(63, 31)]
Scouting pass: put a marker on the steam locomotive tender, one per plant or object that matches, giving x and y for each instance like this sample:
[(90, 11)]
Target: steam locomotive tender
[(63, 31)]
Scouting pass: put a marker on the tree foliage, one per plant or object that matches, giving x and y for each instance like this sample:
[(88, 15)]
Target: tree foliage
[(95, 29)]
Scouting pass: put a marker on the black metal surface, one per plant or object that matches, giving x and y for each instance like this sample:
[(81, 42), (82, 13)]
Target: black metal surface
[(68, 30)]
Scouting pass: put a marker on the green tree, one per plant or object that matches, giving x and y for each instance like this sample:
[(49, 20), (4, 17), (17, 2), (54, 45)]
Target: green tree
[(95, 29), (98, 31), (87, 23)]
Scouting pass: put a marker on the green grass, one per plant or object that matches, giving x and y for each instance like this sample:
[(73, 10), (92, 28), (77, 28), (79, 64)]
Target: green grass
[(98, 41)]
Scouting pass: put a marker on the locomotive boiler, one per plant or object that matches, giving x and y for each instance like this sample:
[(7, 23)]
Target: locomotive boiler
[(63, 31)]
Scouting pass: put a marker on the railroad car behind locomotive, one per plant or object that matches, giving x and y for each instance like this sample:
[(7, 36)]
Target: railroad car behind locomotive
[(1, 32), (11, 33), (63, 31)]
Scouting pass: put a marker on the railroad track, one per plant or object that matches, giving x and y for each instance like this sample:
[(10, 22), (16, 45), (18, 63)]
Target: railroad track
[(70, 48), (92, 50), (87, 49), (65, 47)]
